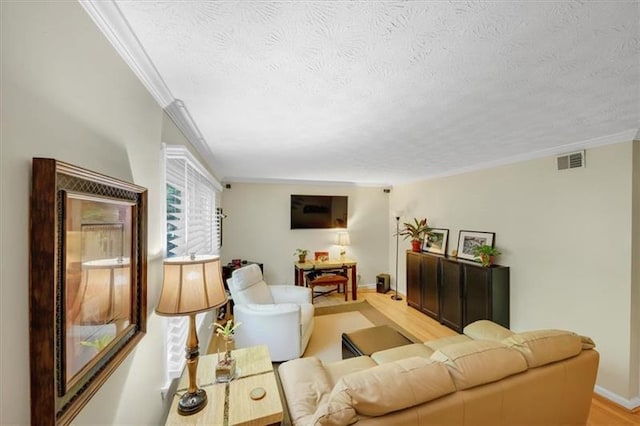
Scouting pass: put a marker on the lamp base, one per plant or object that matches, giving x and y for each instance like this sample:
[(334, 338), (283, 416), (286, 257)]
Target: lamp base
[(191, 403), (396, 297)]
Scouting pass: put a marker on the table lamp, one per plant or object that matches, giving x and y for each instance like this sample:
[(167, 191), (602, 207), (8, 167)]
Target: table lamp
[(343, 240), (104, 293), (191, 285)]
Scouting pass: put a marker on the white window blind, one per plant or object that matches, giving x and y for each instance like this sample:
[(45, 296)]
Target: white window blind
[(192, 226)]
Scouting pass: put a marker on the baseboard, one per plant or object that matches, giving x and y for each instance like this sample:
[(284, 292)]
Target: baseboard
[(366, 286), (632, 404)]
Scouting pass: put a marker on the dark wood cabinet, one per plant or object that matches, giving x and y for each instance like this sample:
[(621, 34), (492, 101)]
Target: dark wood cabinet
[(451, 294), (457, 292), (422, 283), (414, 292)]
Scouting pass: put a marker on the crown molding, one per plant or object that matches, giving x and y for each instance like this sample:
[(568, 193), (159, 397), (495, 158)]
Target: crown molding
[(269, 181), (180, 115), (625, 136), (110, 20)]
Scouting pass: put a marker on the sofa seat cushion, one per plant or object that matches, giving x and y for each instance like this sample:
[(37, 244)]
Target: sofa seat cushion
[(401, 352), (386, 388), (541, 347), (486, 330), (434, 345), (478, 362), (305, 384)]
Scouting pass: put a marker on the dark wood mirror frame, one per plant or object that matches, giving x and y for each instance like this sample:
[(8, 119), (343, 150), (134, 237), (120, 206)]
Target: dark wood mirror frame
[(67, 368)]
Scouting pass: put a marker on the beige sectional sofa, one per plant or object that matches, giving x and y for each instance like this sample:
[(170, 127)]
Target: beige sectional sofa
[(487, 376)]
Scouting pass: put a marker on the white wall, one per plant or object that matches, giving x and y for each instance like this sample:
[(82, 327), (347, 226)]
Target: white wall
[(566, 236), (66, 94), (257, 228)]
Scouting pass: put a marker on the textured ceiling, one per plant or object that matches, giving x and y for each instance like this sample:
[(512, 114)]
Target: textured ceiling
[(386, 91)]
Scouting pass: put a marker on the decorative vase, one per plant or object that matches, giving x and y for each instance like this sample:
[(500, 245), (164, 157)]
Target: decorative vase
[(226, 366), (416, 245)]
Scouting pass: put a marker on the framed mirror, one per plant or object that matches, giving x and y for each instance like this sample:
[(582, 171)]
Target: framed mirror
[(87, 284)]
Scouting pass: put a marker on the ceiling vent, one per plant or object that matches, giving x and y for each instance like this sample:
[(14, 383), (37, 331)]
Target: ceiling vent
[(573, 160)]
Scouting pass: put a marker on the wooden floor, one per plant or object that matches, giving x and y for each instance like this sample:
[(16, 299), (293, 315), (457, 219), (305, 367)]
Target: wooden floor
[(603, 412)]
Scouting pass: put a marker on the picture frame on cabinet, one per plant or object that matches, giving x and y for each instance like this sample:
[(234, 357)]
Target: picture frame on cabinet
[(437, 241), (467, 240)]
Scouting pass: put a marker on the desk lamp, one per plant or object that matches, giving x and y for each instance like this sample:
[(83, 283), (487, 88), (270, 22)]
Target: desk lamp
[(191, 285), (343, 240)]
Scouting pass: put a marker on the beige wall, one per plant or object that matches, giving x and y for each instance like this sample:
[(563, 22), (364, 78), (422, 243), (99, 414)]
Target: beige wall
[(257, 228), (66, 94), (566, 236), (634, 388)]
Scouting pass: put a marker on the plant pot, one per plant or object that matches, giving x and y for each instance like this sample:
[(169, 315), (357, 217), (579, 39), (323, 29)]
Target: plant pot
[(487, 260), (302, 258), (416, 246)]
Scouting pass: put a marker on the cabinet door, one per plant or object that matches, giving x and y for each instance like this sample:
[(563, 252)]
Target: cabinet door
[(413, 280), (430, 288), (450, 295), (477, 293)]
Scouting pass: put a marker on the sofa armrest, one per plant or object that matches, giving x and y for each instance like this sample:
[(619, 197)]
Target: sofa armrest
[(290, 294)]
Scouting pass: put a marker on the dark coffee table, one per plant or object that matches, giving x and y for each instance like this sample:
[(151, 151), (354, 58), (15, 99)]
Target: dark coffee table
[(369, 340)]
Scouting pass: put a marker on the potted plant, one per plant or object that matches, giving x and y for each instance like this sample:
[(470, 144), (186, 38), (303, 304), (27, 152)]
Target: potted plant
[(302, 255), (416, 231), (486, 254)]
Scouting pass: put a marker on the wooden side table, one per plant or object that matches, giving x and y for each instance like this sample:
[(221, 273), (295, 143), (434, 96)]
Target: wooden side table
[(230, 403)]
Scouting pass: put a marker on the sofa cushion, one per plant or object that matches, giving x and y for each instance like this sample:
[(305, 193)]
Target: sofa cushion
[(477, 362), (401, 352), (305, 385), (390, 387), (336, 370), (542, 347), (336, 411), (436, 344), (486, 330)]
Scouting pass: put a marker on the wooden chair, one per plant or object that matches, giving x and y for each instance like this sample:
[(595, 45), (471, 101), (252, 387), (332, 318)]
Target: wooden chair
[(327, 278)]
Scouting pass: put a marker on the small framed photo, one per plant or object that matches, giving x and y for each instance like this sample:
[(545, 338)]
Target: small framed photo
[(437, 241), (467, 240)]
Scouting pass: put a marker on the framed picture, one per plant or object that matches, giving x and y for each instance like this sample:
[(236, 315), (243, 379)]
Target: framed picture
[(467, 240), (88, 284), (437, 241)]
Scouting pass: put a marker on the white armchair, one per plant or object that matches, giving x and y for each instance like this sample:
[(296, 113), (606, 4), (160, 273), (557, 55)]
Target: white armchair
[(280, 316)]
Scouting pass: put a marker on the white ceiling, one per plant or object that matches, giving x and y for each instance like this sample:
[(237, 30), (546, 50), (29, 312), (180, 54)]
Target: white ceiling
[(386, 92)]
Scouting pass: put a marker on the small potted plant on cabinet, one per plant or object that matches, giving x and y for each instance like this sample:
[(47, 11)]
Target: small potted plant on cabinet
[(302, 255), (486, 254), (416, 231)]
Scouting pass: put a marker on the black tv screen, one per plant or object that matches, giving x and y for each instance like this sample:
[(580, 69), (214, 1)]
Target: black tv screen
[(318, 211)]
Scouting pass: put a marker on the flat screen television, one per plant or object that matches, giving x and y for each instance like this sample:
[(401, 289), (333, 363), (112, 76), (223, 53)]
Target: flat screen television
[(319, 211)]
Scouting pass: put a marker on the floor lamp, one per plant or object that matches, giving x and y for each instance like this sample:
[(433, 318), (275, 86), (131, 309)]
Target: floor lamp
[(395, 296)]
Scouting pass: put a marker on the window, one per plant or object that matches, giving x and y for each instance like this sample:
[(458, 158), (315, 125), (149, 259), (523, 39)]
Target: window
[(192, 226)]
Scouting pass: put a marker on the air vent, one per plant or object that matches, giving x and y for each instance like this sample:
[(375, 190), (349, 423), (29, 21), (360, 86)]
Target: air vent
[(573, 160)]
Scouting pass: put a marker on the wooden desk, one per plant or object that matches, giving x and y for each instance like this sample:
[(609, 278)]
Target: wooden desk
[(254, 369), (309, 265)]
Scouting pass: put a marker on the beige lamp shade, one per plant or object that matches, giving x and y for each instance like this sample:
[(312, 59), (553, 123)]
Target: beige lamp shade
[(105, 292), (343, 239), (191, 285)]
